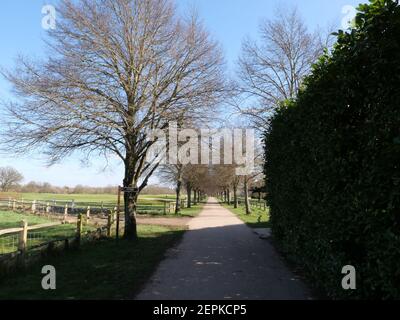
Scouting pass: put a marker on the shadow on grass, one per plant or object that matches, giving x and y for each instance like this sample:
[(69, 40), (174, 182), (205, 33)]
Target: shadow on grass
[(102, 270)]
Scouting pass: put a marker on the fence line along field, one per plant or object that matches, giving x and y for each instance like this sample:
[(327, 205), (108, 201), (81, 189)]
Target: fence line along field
[(49, 218), (40, 229), (80, 203)]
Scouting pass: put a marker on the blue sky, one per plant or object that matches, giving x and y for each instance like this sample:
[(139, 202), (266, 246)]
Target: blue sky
[(228, 20)]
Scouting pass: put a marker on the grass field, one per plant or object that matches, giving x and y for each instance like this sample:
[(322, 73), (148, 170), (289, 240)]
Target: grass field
[(259, 218), (84, 200), (148, 204), (103, 270), (9, 243)]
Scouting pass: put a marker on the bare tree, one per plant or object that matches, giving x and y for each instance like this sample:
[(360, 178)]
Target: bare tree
[(273, 70), (173, 173), (9, 177), (118, 69)]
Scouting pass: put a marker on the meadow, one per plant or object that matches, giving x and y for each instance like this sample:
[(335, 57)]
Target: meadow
[(84, 200)]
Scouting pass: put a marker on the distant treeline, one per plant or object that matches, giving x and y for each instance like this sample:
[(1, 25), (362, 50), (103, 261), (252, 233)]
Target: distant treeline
[(38, 187)]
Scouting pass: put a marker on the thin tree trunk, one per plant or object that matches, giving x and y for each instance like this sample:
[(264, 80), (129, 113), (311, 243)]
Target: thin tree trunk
[(195, 197), (189, 195), (229, 196), (235, 197), (178, 197), (246, 197)]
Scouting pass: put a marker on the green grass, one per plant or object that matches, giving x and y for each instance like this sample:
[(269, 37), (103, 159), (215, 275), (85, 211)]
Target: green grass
[(13, 219), (193, 211), (148, 204), (103, 270), (259, 218), (8, 243), (84, 200)]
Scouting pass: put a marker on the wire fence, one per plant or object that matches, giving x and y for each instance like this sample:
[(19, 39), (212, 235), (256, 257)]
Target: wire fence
[(9, 243)]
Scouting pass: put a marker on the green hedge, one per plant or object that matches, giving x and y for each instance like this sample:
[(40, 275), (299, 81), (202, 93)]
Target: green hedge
[(333, 161)]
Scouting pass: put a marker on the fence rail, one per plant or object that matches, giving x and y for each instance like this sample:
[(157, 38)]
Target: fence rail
[(255, 203), (68, 207), (19, 247), (34, 227)]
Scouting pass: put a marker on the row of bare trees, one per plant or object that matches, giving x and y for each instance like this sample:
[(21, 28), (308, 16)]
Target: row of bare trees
[(193, 180), (118, 69), (230, 185)]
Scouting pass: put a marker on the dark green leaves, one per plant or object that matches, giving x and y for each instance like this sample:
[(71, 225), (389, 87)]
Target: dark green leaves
[(333, 161)]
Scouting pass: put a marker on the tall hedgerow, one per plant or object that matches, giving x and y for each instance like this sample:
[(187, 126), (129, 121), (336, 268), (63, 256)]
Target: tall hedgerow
[(333, 161)]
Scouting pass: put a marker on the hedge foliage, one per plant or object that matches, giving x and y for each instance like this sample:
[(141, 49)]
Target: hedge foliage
[(333, 161)]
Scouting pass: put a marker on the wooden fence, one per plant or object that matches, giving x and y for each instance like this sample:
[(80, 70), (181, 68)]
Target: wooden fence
[(254, 203), (66, 208), (23, 255)]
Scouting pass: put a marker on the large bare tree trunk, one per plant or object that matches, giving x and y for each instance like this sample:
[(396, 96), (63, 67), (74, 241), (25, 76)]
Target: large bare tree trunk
[(130, 199), (130, 203), (246, 197)]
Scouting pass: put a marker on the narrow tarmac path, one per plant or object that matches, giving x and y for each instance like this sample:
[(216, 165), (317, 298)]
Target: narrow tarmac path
[(221, 258)]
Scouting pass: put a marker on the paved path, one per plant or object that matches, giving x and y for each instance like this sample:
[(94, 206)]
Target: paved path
[(221, 258)]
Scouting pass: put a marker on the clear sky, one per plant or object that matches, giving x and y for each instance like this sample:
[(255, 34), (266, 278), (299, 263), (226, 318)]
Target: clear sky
[(228, 20)]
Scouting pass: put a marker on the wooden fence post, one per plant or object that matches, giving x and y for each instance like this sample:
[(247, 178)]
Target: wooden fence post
[(9, 203), (66, 213), (118, 213), (14, 206), (79, 225), (109, 223), (165, 208), (33, 206), (88, 213), (48, 208), (23, 236)]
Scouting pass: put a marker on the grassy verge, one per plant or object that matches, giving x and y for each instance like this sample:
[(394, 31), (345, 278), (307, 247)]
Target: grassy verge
[(103, 270), (259, 218), (193, 211)]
